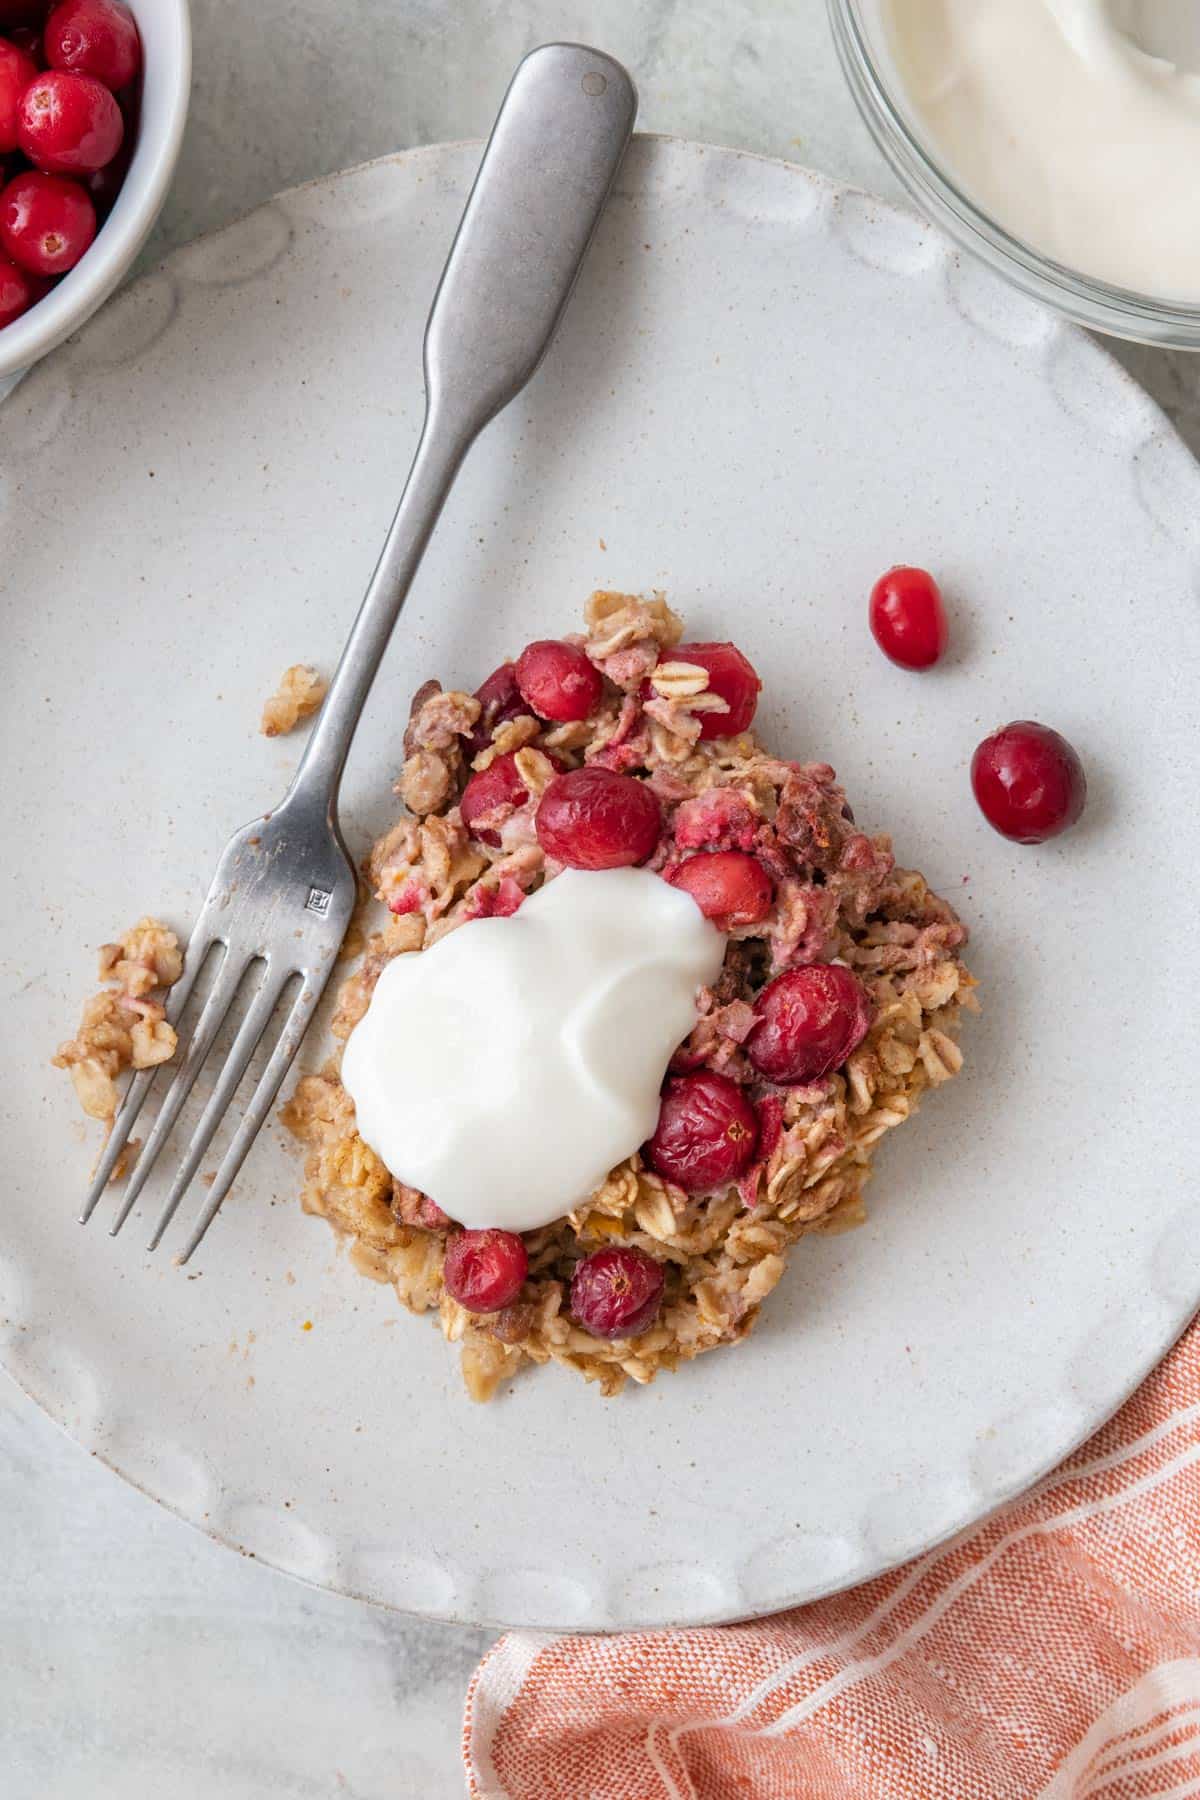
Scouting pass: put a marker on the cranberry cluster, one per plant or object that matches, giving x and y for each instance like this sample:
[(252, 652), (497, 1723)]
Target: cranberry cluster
[(1028, 779), (69, 80), (807, 1021)]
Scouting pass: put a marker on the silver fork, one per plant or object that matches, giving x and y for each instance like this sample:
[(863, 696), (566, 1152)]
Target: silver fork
[(285, 885)]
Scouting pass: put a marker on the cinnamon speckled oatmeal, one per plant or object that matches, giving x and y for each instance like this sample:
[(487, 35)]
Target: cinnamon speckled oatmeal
[(835, 896), (125, 1025)]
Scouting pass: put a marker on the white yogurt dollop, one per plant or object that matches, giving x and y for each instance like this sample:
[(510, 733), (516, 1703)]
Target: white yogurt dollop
[(505, 1070), (1059, 125)]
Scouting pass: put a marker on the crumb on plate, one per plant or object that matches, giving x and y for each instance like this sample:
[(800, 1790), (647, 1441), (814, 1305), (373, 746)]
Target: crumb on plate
[(299, 694)]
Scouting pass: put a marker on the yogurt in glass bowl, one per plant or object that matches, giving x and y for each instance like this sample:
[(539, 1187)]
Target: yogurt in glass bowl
[(1056, 139)]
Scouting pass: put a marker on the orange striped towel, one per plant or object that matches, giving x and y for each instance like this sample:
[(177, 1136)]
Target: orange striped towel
[(1051, 1654)]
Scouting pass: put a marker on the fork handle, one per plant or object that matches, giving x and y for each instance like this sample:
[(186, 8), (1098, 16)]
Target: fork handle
[(546, 173)]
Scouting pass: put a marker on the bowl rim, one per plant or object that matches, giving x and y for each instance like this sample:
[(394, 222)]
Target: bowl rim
[(1088, 301), (64, 309)]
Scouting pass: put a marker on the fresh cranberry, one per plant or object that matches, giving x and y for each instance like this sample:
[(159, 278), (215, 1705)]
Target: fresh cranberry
[(705, 1134), (732, 677), (94, 37), (17, 70), (499, 784), (730, 887), (1029, 782), (500, 699), (485, 1270), (105, 184), (808, 1022), (557, 680), (18, 290), (592, 818), (616, 1293), (46, 222), (68, 124), (908, 620)]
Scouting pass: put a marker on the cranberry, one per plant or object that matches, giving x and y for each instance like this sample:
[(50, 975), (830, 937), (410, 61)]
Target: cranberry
[(908, 620), (730, 887), (808, 1022), (18, 290), (499, 784), (706, 1133), (68, 124), (557, 680), (46, 222), (500, 699), (485, 1270), (1029, 782), (616, 1293), (731, 676), (592, 818), (94, 37), (17, 70), (105, 184)]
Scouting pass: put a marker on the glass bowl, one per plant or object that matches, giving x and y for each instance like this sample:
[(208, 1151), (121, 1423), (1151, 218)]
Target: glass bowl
[(858, 34)]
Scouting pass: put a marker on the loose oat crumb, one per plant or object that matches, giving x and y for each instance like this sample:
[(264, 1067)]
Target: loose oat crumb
[(300, 692), (124, 1026)]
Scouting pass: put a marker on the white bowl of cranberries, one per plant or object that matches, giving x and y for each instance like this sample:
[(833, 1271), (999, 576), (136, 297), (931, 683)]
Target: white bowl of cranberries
[(93, 100)]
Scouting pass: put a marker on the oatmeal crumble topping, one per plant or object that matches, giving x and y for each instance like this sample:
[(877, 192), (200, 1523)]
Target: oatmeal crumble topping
[(838, 896), (124, 1026), (299, 694)]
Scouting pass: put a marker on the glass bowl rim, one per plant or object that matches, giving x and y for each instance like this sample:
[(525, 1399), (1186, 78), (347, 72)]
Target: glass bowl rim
[(1100, 305)]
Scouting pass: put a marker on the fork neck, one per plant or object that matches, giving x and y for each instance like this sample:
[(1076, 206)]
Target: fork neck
[(443, 444)]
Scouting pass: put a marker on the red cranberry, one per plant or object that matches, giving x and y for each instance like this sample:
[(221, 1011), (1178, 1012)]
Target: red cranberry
[(68, 124), (46, 222), (809, 1020), (500, 699), (1029, 782), (485, 1270), (557, 680), (18, 290), (94, 37), (706, 1133), (17, 70), (616, 1293), (499, 784), (908, 620), (105, 184), (730, 887), (592, 818), (731, 676)]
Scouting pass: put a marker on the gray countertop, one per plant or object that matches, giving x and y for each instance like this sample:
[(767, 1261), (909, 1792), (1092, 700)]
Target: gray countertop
[(138, 1658)]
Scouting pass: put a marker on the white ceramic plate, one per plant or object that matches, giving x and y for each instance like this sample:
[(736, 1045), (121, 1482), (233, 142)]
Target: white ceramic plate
[(767, 390)]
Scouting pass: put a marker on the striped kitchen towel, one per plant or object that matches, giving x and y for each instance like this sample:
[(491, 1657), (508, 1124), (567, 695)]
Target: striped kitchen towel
[(1051, 1654)]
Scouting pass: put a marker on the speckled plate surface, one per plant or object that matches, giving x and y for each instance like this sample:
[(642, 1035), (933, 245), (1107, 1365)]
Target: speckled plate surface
[(768, 389)]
